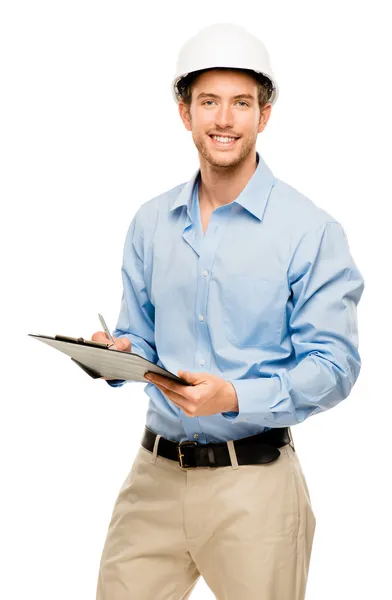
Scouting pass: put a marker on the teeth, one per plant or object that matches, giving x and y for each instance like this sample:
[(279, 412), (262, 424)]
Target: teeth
[(223, 139)]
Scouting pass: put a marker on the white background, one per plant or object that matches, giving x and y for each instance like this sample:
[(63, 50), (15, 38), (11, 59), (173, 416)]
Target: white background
[(89, 132)]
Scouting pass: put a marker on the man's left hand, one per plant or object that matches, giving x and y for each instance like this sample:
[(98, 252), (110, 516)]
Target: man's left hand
[(208, 395)]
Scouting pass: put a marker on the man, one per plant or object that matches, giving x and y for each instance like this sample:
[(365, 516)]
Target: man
[(246, 290)]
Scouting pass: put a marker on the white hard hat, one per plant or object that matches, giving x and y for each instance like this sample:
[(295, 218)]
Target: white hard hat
[(224, 45)]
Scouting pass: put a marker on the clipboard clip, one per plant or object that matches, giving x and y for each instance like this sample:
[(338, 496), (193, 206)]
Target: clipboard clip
[(80, 340)]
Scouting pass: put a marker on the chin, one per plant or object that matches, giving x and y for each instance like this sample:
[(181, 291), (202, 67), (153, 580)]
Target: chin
[(221, 160), (226, 161)]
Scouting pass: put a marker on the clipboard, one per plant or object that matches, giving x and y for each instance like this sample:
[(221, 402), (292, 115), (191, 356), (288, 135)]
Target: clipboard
[(98, 360)]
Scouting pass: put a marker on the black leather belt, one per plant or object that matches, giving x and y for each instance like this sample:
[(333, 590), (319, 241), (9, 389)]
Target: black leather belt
[(252, 450)]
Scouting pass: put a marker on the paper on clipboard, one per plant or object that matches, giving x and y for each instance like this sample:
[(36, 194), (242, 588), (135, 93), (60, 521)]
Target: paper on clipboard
[(97, 360)]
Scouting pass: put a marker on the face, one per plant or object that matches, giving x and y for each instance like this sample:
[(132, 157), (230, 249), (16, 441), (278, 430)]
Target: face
[(225, 103)]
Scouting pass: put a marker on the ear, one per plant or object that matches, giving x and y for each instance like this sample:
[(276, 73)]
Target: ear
[(185, 115), (264, 116)]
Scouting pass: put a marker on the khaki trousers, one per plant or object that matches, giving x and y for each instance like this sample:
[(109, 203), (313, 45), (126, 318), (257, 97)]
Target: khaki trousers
[(246, 529)]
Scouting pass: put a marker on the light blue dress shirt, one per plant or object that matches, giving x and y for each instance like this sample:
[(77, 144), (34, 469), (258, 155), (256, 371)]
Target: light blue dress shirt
[(267, 299)]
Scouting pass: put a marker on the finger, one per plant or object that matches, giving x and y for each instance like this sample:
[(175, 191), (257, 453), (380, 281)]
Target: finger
[(100, 336), (169, 384), (176, 398), (123, 344)]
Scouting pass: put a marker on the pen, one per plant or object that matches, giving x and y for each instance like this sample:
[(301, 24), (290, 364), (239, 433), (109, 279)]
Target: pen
[(106, 328)]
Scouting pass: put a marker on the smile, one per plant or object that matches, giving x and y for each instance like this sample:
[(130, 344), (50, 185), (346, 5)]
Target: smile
[(223, 141)]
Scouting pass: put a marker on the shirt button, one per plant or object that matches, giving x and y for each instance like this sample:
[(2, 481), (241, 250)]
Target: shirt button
[(201, 317), (205, 273), (202, 361), (195, 435)]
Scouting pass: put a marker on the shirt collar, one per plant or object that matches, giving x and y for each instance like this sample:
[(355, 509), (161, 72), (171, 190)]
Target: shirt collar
[(254, 196)]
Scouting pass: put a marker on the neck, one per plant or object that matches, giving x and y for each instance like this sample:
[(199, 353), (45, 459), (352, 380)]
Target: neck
[(222, 185)]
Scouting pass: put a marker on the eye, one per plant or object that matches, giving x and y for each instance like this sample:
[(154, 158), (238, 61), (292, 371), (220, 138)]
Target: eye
[(239, 102)]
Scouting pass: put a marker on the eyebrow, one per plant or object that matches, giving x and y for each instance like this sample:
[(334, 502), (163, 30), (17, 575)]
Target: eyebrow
[(205, 95)]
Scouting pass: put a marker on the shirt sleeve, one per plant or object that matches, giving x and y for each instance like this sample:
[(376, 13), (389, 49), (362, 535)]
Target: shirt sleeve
[(136, 320), (326, 287)]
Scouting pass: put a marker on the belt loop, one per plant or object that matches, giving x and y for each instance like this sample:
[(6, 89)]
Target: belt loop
[(155, 449), (233, 455), (291, 438)]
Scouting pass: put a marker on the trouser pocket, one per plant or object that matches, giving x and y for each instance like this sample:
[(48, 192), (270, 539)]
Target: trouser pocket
[(299, 477)]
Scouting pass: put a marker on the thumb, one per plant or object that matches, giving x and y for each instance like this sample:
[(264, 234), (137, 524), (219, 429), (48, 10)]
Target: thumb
[(188, 376)]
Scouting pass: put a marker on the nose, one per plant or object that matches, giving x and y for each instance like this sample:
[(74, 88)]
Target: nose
[(224, 117)]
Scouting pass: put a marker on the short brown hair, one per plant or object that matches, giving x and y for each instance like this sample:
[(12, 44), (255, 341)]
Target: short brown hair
[(184, 86)]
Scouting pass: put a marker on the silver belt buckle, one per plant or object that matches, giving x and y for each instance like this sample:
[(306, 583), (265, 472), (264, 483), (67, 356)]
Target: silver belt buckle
[(180, 455)]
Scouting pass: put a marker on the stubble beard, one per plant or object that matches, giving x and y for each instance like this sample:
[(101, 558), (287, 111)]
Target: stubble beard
[(227, 159)]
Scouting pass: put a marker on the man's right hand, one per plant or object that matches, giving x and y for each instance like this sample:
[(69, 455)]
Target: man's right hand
[(122, 344)]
